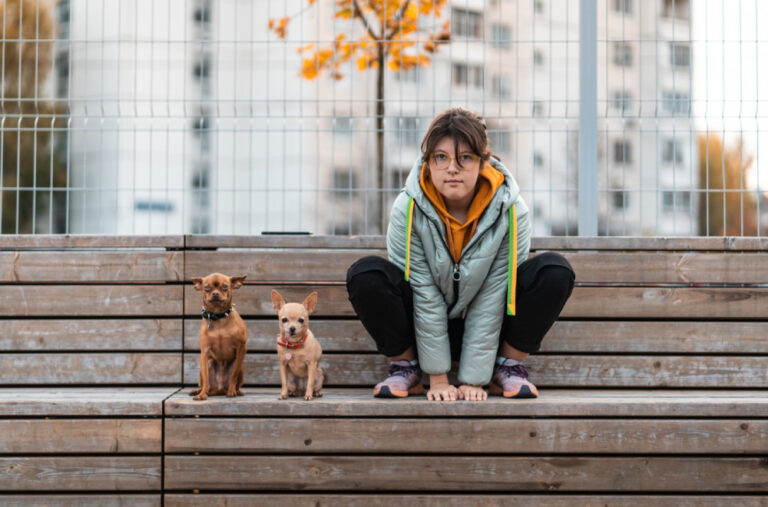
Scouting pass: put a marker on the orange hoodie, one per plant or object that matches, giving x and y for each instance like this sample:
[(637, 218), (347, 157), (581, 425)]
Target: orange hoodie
[(458, 234)]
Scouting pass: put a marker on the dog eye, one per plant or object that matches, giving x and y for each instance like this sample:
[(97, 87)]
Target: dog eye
[(207, 288), (285, 320), (223, 287), (301, 321)]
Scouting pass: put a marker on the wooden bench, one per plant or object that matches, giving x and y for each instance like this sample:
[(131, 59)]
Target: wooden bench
[(90, 346), (653, 383)]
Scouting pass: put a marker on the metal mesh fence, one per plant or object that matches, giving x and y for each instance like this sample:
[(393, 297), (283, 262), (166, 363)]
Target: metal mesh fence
[(245, 116)]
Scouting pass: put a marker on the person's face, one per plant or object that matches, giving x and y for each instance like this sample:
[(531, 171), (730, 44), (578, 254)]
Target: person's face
[(456, 183)]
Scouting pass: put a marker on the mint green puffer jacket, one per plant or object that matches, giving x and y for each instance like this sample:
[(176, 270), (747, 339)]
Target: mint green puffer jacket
[(416, 243)]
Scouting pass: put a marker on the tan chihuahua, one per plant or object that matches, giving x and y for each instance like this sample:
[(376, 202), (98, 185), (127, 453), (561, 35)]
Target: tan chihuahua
[(222, 338), (298, 352)]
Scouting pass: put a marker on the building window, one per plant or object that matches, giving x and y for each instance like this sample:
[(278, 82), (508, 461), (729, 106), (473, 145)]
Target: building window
[(499, 141), (538, 57), (672, 151), (161, 206), (622, 54), (622, 6), (409, 131), (622, 102), (621, 199), (342, 126), (679, 9), (679, 54), (467, 75), (538, 159), (344, 179), (202, 68), (501, 36), (408, 76), (676, 103), (501, 86), (466, 23), (538, 108), (676, 200), (398, 177), (538, 6), (203, 14), (622, 152)]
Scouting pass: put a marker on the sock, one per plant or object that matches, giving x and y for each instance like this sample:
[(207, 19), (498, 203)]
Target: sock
[(500, 360), (415, 362)]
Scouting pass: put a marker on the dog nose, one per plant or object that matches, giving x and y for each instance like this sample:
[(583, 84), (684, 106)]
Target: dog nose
[(292, 329)]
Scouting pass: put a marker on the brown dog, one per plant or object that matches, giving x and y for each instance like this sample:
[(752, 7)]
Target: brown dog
[(222, 338), (298, 352)]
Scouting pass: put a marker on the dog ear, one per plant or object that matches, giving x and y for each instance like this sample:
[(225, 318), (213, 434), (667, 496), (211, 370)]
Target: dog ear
[(198, 283), (237, 281), (310, 302), (277, 301)]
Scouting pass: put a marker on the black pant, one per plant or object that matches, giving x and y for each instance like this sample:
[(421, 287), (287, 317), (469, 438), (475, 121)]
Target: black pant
[(384, 302)]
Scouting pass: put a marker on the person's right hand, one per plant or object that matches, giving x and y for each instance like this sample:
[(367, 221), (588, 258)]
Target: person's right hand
[(442, 392)]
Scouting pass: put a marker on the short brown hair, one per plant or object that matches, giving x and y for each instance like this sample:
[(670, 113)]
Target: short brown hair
[(461, 125)]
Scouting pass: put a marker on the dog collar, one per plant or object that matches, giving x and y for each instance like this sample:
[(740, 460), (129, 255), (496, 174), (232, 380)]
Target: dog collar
[(293, 345), (215, 316)]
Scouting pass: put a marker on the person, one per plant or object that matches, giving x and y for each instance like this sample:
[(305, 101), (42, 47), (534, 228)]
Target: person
[(458, 284)]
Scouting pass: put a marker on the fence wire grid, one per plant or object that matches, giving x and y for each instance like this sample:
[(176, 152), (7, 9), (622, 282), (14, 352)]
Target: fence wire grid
[(246, 116)]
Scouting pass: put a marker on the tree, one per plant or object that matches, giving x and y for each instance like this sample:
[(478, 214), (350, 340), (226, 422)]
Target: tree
[(28, 120), (390, 41), (723, 172)]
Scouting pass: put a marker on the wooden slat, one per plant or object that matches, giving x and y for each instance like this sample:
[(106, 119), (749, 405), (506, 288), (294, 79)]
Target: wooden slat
[(537, 243), (62, 241), (564, 336), (466, 436), (277, 265), (590, 302), (90, 301), (255, 300), (83, 402), (99, 500), (459, 500), (359, 402), (86, 436), (626, 268), (90, 334), (97, 368), (545, 370), (91, 266), (334, 335), (455, 473), (80, 473)]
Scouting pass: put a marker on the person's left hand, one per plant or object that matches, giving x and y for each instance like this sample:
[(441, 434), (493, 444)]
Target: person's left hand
[(472, 393)]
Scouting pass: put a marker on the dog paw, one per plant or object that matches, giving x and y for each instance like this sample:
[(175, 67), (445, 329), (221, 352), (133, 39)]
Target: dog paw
[(201, 396), (283, 396), (308, 397), (195, 392), (239, 393)]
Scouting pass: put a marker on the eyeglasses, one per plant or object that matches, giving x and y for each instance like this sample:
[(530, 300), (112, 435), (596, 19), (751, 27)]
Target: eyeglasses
[(440, 161)]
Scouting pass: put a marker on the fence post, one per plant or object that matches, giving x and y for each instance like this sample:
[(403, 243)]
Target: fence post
[(588, 118)]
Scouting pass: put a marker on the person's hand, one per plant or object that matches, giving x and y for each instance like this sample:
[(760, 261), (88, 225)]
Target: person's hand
[(441, 390), (472, 393)]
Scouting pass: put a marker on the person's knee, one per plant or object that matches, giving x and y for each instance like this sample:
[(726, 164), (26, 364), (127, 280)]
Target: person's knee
[(370, 275)]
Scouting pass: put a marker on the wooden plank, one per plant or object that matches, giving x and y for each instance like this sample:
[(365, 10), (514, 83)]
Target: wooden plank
[(255, 300), (62, 241), (359, 402), (466, 436), (459, 500), (96, 368), (545, 370), (564, 336), (457, 473), (90, 301), (80, 473), (334, 335), (589, 302), (666, 303), (279, 264), (537, 243), (91, 334), (91, 266), (625, 268), (83, 402), (84, 436), (99, 500)]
